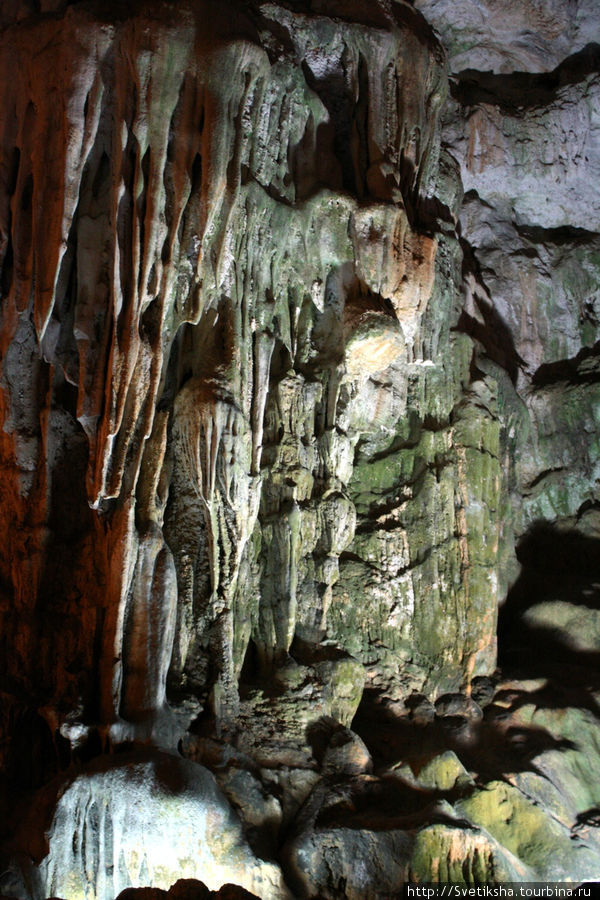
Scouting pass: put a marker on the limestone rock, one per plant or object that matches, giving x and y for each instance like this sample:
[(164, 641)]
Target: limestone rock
[(569, 768), (299, 437), (260, 811), (276, 726), (445, 854), (562, 133), (444, 773), (346, 754), (209, 364), (529, 833), (457, 705), (574, 626), (503, 36), (145, 821), (358, 862)]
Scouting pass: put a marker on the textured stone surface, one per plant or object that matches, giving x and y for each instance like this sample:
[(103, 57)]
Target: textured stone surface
[(503, 36), (299, 333), (217, 361), (143, 821)]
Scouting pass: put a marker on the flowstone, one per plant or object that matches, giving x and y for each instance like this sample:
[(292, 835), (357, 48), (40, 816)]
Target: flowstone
[(145, 819), (299, 436)]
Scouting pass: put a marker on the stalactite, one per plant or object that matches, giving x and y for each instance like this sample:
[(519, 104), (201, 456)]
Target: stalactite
[(276, 429), (214, 447)]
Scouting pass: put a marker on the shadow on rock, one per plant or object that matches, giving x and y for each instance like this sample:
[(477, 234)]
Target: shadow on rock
[(551, 618), (492, 746)]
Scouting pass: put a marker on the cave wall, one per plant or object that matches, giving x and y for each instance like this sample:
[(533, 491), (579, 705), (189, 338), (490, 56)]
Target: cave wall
[(298, 359), (229, 363)]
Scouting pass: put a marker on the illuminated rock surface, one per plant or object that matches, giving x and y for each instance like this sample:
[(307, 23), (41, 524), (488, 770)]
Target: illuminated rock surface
[(299, 386), (150, 819)]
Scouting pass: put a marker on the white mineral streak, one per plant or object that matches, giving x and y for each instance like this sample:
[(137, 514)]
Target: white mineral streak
[(148, 822), (213, 444), (149, 631)]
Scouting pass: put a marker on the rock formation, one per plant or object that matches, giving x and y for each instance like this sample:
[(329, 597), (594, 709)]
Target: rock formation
[(299, 388)]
